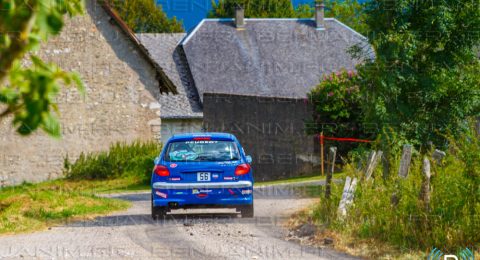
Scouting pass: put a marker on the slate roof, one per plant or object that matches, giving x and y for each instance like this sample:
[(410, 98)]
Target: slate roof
[(165, 50), (270, 57)]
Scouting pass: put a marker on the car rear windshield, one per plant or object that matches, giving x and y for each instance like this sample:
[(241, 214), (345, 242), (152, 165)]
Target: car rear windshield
[(205, 150)]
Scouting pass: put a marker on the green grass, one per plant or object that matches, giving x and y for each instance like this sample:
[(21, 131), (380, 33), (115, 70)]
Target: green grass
[(30, 207), (124, 167), (299, 179)]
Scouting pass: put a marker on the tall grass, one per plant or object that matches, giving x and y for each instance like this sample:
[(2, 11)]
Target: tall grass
[(121, 160), (389, 208)]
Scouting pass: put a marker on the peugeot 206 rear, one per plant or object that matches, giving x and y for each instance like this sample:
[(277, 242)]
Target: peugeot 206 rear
[(204, 170)]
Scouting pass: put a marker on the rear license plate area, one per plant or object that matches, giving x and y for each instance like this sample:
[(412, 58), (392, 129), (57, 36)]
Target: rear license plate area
[(203, 176)]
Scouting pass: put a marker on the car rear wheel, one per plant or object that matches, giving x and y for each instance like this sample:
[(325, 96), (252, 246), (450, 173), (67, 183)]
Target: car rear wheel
[(247, 211), (158, 212)]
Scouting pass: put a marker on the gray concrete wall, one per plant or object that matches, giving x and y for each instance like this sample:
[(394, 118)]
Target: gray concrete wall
[(270, 129), (120, 105), (178, 126)]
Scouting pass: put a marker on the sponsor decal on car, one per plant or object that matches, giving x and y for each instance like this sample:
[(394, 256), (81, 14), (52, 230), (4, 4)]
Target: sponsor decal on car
[(161, 194), (228, 178), (175, 179), (173, 165), (246, 192), (197, 191), (215, 176), (227, 162), (180, 193)]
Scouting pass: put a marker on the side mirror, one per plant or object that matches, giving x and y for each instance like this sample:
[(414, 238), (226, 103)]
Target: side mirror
[(249, 159), (157, 160)]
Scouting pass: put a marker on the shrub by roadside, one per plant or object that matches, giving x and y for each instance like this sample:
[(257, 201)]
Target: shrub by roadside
[(404, 224), (121, 160)]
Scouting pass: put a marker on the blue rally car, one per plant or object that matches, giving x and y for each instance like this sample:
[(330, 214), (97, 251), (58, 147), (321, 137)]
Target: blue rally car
[(202, 170)]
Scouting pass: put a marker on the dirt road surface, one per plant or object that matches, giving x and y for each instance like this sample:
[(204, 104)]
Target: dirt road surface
[(184, 234)]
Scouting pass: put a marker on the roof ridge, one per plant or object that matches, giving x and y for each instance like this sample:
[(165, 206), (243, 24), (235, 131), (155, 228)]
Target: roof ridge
[(163, 80)]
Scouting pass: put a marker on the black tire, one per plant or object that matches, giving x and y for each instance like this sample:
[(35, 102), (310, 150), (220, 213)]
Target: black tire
[(158, 212), (247, 211)]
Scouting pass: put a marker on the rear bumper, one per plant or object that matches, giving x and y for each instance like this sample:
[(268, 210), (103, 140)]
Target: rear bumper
[(191, 195), (196, 185), (185, 203)]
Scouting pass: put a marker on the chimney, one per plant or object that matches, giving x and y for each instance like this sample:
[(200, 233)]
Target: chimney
[(319, 15), (239, 17)]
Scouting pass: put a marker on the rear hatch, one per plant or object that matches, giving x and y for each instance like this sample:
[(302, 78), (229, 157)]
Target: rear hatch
[(202, 172)]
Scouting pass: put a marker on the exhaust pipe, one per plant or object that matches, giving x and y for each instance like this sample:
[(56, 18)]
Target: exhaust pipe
[(173, 205)]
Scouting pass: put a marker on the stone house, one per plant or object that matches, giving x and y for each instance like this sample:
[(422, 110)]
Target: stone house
[(251, 77), (181, 112), (123, 89), (245, 76)]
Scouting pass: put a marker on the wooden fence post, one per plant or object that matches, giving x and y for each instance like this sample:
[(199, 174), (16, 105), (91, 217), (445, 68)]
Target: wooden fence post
[(332, 152), (403, 169), (405, 162), (321, 154), (370, 160), (425, 192), (373, 160)]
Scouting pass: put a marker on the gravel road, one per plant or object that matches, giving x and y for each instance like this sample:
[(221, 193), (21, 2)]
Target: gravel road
[(185, 234)]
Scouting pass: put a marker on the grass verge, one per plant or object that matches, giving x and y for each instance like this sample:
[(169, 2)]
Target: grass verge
[(31, 207), (392, 218), (299, 179)]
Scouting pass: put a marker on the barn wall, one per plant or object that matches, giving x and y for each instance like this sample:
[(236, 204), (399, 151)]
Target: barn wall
[(270, 129)]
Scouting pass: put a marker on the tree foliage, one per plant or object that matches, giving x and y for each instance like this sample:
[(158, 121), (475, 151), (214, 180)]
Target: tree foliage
[(144, 16), (254, 8), (28, 92), (424, 81), (336, 104), (349, 12)]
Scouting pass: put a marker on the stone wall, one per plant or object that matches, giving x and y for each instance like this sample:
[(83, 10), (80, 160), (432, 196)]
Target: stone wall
[(120, 102), (270, 129)]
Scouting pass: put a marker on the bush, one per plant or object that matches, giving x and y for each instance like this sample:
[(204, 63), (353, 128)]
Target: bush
[(451, 221), (135, 159), (336, 109)]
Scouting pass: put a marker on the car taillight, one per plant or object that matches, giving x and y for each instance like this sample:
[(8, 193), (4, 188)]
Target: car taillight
[(206, 138), (242, 169), (161, 170)]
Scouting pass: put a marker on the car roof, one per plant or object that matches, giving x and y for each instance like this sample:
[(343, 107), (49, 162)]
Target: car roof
[(213, 135)]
